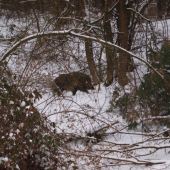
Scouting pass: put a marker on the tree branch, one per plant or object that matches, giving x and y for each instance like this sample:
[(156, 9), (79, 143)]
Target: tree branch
[(80, 35)]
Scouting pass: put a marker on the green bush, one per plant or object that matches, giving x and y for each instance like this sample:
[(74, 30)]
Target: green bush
[(152, 97)]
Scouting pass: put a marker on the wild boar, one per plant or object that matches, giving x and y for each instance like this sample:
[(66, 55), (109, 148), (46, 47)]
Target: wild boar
[(72, 82)]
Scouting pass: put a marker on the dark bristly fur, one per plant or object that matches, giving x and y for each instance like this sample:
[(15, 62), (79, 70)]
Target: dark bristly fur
[(73, 82)]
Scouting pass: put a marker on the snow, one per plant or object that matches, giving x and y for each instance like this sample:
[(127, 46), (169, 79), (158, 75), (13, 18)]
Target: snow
[(23, 103), (85, 113)]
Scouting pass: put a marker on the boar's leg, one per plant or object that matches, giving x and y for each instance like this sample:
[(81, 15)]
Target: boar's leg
[(57, 90), (84, 89), (58, 93), (74, 91)]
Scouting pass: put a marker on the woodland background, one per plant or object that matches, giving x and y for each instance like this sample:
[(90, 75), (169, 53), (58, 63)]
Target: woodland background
[(123, 45)]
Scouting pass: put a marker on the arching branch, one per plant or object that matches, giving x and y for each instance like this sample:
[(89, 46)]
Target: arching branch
[(73, 32)]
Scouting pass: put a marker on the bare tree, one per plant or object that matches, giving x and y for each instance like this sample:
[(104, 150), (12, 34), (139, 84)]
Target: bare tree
[(88, 37)]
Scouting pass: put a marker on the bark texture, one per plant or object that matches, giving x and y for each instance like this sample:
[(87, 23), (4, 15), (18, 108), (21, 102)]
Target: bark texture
[(90, 61)]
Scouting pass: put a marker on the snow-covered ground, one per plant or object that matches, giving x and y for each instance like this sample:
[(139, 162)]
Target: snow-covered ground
[(82, 114)]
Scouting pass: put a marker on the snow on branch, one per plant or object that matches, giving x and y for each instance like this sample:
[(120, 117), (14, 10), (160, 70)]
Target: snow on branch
[(139, 14), (75, 33), (136, 161)]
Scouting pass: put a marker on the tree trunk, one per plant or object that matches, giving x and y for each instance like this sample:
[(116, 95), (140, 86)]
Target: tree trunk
[(80, 8), (90, 61), (122, 41), (159, 8), (109, 52)]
